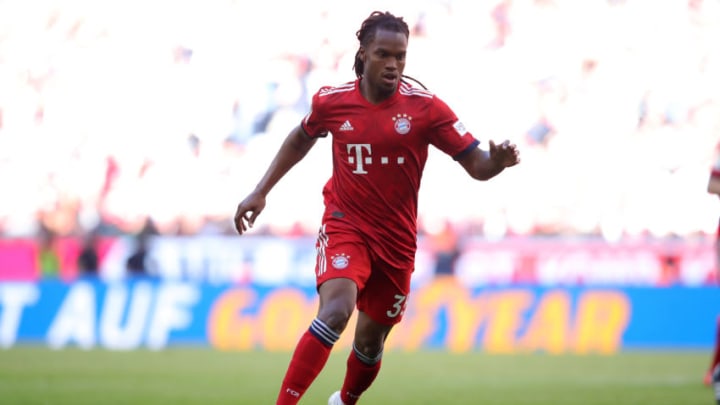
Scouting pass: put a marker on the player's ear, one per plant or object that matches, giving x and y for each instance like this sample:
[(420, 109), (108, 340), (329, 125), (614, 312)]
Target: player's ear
[(361, 54)]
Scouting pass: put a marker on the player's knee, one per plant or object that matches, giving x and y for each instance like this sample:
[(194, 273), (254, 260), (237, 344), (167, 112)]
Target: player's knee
[(336, 315), (369, 342), (369, 348)]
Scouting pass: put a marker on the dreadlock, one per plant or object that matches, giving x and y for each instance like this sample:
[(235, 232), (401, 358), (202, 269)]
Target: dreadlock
[(366, 34)]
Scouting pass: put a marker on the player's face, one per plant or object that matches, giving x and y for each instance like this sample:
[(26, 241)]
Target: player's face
[(384, 59)]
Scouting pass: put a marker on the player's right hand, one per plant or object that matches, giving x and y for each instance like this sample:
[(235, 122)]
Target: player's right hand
[(247, 211)]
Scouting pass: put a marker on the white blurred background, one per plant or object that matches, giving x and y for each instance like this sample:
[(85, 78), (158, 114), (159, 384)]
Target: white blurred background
[(116, 112)]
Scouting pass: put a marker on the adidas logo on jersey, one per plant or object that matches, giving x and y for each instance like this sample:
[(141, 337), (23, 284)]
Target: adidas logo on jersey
[(346, 126)]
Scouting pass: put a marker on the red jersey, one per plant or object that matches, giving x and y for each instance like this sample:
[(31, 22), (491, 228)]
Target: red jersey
[(715, 170), (714, 176), (379, 152)]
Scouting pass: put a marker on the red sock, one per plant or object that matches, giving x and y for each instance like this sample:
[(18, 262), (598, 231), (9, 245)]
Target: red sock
[(308, 360), (358, 377), (716, 355)]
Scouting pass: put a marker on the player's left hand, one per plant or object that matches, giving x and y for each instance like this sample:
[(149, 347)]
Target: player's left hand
[(505, 154)]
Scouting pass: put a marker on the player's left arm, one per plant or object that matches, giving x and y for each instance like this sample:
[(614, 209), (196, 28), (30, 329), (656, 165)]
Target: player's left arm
[(486, 164), (450, 135)]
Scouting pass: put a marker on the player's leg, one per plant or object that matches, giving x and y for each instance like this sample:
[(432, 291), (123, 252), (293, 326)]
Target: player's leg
[(716, 355), (342, 269), (337, 301), (381, 304), (365, 359), (708, 380), (716, 383)]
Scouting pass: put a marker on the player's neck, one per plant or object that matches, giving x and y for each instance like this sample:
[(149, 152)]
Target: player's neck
[(372, 95)]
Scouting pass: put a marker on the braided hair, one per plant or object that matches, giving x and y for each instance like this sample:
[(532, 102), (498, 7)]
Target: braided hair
[(366, 34)]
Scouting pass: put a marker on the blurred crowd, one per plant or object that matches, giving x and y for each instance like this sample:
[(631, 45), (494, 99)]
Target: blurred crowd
[(117, 115)]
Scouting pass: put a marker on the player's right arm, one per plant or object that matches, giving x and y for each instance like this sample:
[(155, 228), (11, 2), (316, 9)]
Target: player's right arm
[(713, 186), (294, 148)]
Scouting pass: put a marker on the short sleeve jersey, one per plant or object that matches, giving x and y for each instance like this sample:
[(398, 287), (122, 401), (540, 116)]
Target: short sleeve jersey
[(715, 170), (379, 153), (715, 175)]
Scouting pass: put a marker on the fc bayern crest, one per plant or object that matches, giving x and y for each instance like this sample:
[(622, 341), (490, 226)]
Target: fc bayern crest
[(402, 123), (340, 261)]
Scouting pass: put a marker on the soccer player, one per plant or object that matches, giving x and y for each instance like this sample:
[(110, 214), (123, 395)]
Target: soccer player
[(713, 187), (381, 129)]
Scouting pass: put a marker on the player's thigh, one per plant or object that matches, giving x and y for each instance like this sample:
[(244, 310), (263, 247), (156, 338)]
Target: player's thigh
[(341, 253), (385, 294)]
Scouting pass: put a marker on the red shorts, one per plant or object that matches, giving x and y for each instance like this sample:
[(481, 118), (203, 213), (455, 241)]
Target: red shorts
[(343, 253)]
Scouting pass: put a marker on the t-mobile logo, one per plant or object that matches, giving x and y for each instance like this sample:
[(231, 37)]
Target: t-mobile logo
[(360, 156)]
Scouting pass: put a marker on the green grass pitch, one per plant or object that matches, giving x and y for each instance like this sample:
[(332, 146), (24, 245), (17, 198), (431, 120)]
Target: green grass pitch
[(35, 375)]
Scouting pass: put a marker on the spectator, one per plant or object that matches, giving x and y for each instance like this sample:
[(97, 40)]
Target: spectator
[(48, 260), (88, 261), (140, 263), (446, 245)]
